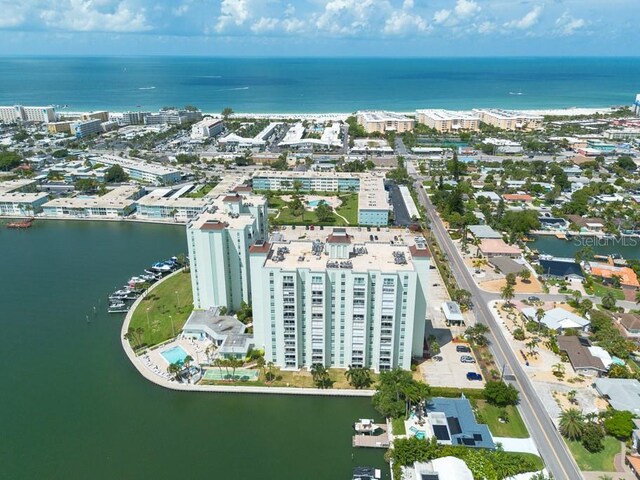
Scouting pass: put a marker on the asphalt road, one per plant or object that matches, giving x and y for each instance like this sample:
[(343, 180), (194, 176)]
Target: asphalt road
[(553, 450)]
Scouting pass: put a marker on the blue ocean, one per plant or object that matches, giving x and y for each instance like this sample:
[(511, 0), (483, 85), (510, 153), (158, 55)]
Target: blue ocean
[(296, 85)]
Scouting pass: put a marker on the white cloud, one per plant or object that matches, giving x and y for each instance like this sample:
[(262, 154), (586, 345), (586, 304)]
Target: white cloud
[(264, 25), (403, 23), (441, 16), (232, 12), (465, 8), (96, 16), (290, 10), (12, 15), (568, 25), (348, 17), (486, 28), (293, 25), (526, 22)]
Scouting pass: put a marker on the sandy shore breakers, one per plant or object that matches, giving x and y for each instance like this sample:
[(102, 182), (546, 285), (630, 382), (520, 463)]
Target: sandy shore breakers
[(137, 362)]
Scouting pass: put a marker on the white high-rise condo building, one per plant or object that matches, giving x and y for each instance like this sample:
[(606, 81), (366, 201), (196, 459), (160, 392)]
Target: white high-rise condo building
[(339, 302), (448, 120), (18, 113), (636, 106), (218, 242)]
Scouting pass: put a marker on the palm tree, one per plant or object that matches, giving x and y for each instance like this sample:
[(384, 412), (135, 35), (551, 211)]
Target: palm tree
[(234, 363), (572, 423), (270, 366), (219, 362), (260, 362), (532, 344), (558, 370), (174, 369), (507, 293), (539, 317)]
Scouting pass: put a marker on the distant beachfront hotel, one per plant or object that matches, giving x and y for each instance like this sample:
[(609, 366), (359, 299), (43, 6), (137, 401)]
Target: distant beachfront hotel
[(334, 297), (18, 113), (449, 120), (382, 121), (636, 106), (510, 119)]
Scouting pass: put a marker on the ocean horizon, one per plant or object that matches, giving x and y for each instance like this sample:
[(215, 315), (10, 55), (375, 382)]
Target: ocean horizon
[(317, 85)]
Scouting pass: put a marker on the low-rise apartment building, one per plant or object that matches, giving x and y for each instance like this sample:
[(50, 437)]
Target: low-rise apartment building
[(19, 198), (152, 173), (117, 203), (18, 113), (449, 120), (510, 119), (382, 121)]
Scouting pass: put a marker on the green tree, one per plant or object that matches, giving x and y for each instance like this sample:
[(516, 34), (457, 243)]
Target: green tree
[(226, 113), (525, 275), (593, 437), (359, 377), (324, 213), (507, 293), (175, 369), (477, 334), (511, 279), (86, 185), (572, 424), (115, 174), (500, 394), (9, 160), (608, 301), (620, 424), (558, 370)]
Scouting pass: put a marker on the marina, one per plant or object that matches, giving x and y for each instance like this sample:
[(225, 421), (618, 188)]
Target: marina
[(137, 285)]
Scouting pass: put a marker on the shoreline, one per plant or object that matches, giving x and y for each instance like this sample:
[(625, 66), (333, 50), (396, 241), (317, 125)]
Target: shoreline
[(185, 387), (550, 111)]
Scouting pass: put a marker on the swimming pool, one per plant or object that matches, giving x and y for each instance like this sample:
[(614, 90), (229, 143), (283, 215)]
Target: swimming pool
[(315, 203), (174, 354)]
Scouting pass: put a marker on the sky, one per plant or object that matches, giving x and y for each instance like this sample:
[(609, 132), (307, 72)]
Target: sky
[(327, 28)]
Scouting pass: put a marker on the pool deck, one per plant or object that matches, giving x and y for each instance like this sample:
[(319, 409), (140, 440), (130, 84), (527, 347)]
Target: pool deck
[(160, 377), (381, 440)]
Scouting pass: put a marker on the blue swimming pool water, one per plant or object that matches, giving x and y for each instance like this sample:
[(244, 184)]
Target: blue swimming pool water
[(174, 354), (315, 203)]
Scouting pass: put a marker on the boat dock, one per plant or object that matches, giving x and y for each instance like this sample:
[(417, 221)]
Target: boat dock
[(378, 438)]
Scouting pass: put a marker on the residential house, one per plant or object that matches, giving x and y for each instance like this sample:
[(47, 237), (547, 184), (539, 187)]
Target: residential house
[(582, 360), (558, 319)]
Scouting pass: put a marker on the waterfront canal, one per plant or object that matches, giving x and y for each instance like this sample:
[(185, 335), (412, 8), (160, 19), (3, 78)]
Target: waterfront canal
[(628, 247), (73, 407)]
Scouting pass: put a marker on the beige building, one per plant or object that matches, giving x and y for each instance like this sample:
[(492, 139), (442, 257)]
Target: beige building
[(59, 127), (449, 120), (510, 119), (18, 113), (102, 115), (382, 122)]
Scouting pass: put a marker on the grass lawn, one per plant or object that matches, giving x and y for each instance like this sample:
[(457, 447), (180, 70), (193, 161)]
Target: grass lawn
[(299, 379), (348, 209), (162, 303), (595, 462), (600, 290), (513, 428), (202, 192), (397, 424)]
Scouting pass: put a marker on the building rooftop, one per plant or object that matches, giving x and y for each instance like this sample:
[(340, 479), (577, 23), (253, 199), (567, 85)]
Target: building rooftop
[(558, 318), (627, 276), (217, 326), (506, 265), (159, 198), (151, 168), (484, 231), (507, 114), (119, 197), (498, 246), (630, 321), (383, 116), (370, 256), (560, 268), (13, 185), (452, 421), (577, 349), (440, 114), (621, 393)]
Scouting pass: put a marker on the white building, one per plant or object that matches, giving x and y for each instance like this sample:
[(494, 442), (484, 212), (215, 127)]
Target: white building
[(117, 203), (339, 302), (19, 198), (161, 204), (152, 173), (449, 120), (382, 121), (207, 128), (501, 145), (86, 128), (636, 106), (373, 200), (18, 113), (218, 243)]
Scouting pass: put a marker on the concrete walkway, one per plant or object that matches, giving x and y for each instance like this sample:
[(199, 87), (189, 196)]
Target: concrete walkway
[(521, 445), (173, 385)]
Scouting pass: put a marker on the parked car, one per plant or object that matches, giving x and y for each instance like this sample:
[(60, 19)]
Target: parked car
[(467, 359), (533, 299), (474, 376), (462, 349)]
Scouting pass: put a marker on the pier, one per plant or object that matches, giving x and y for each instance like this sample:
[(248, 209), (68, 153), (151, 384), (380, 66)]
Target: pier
[(377, 438)]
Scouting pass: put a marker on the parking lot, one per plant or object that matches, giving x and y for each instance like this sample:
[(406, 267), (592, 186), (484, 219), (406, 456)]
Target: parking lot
[(450, 371)]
